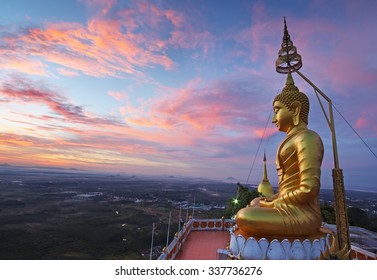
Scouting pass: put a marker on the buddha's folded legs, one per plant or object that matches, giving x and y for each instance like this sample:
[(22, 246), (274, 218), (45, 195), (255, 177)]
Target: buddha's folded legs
[(258, 221)]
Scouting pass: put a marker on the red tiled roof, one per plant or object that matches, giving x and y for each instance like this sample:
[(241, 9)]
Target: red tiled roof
[(203, 245)]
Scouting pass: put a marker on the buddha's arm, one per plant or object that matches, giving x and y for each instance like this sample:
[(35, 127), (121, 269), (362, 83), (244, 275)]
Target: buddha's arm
[(272, 197), (309, 150)]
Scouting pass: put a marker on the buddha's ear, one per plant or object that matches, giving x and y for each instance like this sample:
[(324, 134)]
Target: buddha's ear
[(296, 106)]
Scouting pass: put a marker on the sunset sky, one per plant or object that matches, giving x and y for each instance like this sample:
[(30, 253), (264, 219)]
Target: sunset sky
[(181, 87)]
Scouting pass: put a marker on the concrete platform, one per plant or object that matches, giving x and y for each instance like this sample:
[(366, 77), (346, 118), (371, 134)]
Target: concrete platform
[(203, 245)]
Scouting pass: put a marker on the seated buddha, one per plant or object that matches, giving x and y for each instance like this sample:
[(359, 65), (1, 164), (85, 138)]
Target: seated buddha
[(294, 211)]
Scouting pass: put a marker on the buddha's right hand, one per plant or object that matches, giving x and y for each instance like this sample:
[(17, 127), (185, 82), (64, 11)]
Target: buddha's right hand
[(255, 202), (266, 203)]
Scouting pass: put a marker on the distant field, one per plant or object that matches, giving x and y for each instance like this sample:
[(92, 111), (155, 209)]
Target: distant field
[(73, 215)]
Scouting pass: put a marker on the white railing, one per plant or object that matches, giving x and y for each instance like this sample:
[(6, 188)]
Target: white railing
[(212, 224), (361, 254)]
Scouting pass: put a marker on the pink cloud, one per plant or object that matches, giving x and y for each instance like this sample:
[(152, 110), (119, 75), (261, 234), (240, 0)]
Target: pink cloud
[(16, 140), (109, 44), (67, 72), (98, 49), (360, 123), (364, 123), (192, 40), (260, 37), (42, 117), (43, 123), (223, 104), (264, 133), (178, 19), (224, 108), (24, 90), (119, 96), (103, 5)]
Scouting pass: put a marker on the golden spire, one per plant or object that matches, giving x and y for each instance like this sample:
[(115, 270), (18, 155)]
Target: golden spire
[(265, 187), (288, 58), (265, 179)]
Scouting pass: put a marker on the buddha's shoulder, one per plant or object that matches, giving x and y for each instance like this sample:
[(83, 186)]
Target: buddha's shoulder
[(307, 134)]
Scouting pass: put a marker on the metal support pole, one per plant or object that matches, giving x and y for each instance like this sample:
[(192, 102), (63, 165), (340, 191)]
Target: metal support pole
[(341, 218), (338, 182)]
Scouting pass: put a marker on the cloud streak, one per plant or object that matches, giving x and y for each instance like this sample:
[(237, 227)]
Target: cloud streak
[(25, 90), (227, 105)]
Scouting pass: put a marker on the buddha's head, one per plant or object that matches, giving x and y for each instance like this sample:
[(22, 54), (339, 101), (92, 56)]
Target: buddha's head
[(291, 107)]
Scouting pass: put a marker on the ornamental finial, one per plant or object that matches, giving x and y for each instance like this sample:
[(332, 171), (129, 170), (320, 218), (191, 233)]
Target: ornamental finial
[(288, 59)]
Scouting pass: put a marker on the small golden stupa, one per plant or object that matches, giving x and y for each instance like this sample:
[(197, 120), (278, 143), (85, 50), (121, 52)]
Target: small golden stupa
[(265, 187)]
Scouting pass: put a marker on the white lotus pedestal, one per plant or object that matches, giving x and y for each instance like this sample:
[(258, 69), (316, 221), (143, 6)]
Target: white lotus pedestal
[(275, 249)]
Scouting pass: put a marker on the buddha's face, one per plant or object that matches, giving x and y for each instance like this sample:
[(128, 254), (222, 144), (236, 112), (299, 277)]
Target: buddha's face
[(283, 117)]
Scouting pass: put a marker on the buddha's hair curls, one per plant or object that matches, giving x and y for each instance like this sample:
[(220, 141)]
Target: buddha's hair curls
[(291, 94)]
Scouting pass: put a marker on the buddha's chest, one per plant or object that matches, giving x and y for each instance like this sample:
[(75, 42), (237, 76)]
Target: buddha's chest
[(286, 153), (286, 160)]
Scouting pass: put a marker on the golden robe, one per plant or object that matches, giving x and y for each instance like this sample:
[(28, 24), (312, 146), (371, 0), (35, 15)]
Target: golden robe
[(294, 210)]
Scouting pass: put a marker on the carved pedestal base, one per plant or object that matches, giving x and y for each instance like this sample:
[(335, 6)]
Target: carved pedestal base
[(277, 249)]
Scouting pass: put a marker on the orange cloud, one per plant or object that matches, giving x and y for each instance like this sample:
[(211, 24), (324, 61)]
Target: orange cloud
[(108, 44), (98, 49), (32, 67), (89, 150)]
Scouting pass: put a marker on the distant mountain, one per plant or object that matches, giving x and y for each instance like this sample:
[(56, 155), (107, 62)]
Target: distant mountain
[(232, 179)]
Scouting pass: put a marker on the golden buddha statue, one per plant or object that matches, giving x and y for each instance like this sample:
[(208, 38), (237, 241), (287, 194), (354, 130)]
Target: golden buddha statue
[(294, 211)]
